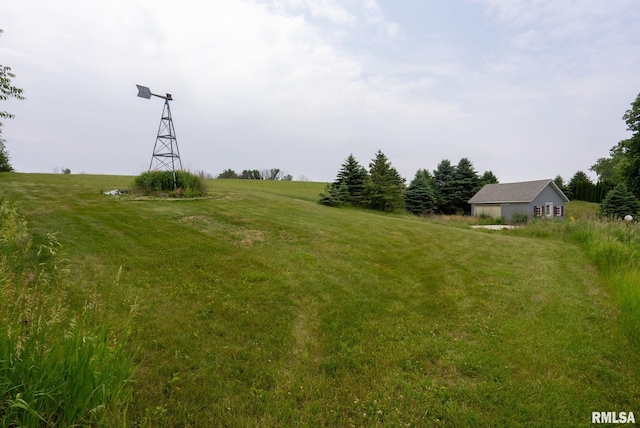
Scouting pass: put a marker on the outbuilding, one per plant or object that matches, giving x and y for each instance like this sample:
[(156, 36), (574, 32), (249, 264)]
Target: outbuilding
[(541, 198)]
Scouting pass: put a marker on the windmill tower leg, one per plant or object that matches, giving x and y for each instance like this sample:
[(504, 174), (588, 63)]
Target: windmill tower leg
[(166, 155)]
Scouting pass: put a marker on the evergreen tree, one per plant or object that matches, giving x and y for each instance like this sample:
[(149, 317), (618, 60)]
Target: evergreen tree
[(355, 178), (619, 202), (572, 187), (419, 198), (444, 177), (559, 181), (335, 195), (466, 184), (385, 187), (488, 178)]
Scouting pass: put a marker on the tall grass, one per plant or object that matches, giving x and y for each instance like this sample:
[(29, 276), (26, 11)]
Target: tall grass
[(59, 366), (614, 247), (186, 183)]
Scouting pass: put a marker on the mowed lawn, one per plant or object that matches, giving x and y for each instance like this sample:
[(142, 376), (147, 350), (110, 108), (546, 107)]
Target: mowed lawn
[(259, 307)]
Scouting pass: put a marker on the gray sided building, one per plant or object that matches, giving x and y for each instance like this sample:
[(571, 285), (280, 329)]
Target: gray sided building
[(541, 198)]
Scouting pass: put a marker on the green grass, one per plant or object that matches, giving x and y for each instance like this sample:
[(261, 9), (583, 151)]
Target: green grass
[(614, 248), (259, 307), (59, 365)]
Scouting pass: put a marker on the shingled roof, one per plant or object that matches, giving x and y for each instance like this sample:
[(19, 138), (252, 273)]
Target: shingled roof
[(523, 192)]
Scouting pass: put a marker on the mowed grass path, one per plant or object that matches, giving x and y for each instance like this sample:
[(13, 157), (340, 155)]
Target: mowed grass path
[(259, 307)]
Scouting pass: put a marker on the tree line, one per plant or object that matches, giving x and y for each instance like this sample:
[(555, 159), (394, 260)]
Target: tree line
[(254, 174), (446, 190), (623, 163), (618, 185)]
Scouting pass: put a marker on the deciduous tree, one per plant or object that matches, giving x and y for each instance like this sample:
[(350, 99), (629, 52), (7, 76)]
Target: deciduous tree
[(250, 174), (5, 164), (631, 147), (7, 90), (623, 165), (610, 170), (228, 173)]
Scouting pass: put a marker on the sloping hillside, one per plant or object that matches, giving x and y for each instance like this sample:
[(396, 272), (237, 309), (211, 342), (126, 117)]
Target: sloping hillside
[(259, 307)]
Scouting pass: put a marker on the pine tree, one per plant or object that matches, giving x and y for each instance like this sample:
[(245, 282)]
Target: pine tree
[(419, 198), (335, 195), (574, 183), (385, 188), (444, 177), (559, 181), (467, 184), (619, 203), (355, 178), (488, 178)]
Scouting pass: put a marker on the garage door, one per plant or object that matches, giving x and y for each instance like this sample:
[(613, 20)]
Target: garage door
[(488, 210)]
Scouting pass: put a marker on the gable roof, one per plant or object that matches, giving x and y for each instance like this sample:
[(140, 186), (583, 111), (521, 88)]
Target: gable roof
[(525, 191)]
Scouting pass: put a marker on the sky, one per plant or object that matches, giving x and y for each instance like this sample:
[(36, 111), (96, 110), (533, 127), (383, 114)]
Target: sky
[(527, 89)]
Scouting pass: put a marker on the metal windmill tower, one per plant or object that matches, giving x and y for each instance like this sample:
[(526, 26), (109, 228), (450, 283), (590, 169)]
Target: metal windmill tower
[(166, 155)]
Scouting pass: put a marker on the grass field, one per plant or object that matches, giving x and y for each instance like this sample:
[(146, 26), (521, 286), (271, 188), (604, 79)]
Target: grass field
[(257, 306)]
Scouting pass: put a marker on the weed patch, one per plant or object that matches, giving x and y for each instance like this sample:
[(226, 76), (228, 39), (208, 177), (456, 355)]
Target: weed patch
[(59, 365), (169, 183)]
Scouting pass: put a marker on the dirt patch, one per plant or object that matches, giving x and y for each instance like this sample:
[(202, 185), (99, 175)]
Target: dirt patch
[(252, 236)]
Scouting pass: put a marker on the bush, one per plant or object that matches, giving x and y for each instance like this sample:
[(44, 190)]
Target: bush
[(486, 219), (519, 218), (161, 182)]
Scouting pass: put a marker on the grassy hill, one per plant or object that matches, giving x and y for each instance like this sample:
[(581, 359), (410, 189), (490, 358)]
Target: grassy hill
[(259, 307)]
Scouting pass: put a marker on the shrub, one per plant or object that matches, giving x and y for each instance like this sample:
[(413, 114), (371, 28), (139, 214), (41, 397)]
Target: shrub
[(486, 219), (161, 182), (519, 218)]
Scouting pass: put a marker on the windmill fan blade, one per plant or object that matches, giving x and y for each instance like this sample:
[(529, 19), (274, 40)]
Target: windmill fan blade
[(144, 92)]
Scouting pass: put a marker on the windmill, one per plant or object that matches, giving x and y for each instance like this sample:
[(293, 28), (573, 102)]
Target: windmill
[(165, 152)]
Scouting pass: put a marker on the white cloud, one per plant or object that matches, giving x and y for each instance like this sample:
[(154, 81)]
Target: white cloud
[(300, 84)]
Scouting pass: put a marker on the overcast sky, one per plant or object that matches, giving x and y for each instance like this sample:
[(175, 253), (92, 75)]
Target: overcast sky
[(528, 89)]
